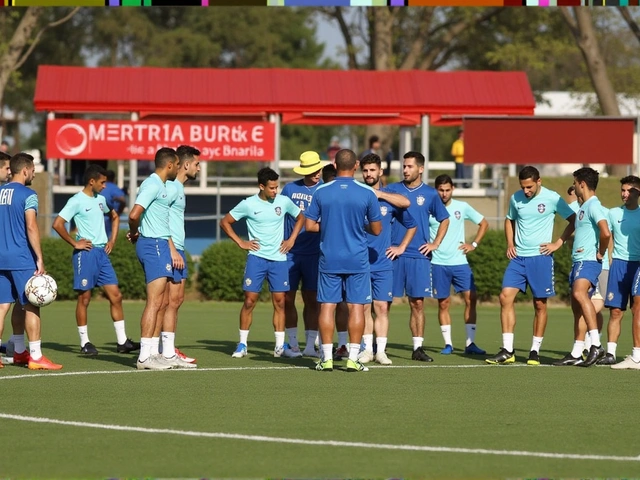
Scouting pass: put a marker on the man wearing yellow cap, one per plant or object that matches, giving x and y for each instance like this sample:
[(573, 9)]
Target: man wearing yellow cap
[(303, 259)]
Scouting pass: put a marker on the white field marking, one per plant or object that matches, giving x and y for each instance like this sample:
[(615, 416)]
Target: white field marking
[(227, 369), (325, 443)]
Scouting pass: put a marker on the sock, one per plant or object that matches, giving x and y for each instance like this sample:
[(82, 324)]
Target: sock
[(84, 336), (354, 349), (168, 344), (446, 334), (312, 338), (587, 342), (121, 335), (471, 333), (507, 341), (578, 347), (611, 348), (145, 349), (417, 342), (595, 337), (279, 339), (368, 342), (292, 335), (327, 351), (535, 345), (381, 343), (155, 345), (244, 335), (636, 354), (343, 338), (18, 343), (34, 350)]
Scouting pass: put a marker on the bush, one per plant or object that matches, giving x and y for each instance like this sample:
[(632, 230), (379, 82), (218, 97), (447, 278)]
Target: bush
[(128, 269), (221, 273), (57, 261)]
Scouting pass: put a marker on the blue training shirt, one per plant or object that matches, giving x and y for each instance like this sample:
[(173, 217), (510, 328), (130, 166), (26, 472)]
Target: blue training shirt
[(425, 203), (15, 250), (307, 243), (342, 207)]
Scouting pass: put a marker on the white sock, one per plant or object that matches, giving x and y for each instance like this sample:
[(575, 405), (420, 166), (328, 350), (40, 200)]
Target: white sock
[(312, 339), (417, 342), (507, 341), (145, 349), (18, 343), (279, 339), (446, 334), (354, 349), (121, 334), (535, 345), (611, 348), (636, 354), (155, 345), (168, 344), (343, 338), (327, 351), (34, 350), (471, 333), (578, 347), (381, 343), (368, 342), (84, 336), (292, 335), (244, 335), (595, 337), (587, 342)]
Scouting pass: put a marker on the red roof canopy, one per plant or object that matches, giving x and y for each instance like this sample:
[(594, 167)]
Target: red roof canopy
[(314, 97)]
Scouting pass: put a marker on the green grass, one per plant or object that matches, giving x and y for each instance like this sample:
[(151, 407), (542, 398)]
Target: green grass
[(535, 409)]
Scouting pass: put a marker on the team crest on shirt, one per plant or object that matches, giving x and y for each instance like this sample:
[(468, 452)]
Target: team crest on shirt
[(168, 267), (383, 210), (541, 208), (420, 200), (278, 211), (581, 215), (101, 207), (457, 214)]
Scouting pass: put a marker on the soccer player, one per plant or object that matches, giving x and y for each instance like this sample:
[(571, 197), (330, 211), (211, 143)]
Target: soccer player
[(265, 213), (188, 168), (5, 167), (625, 229), (589, 247), (20, 258), (392, 208), (329, 173), (343, 207), (91, 249), (303, 259), (528, 230), (115, 200), (412, 269), (449, 265), (151, 233)]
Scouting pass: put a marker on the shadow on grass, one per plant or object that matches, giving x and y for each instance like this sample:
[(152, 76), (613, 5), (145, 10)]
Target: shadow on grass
[(125, 359), (259, 351)]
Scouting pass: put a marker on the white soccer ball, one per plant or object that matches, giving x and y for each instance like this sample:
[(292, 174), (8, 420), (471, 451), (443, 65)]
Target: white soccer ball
[(41, 290)]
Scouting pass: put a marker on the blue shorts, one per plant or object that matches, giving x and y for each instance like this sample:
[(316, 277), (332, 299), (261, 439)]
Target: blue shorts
[(413, 276), (635, 289), (588, 270), (155, 257), (305, 268), (258, 268), (349, 287), (180, 274), (382, 285), (12, 283), (537, 272), (92, 268), (443, 276), (620, 283)]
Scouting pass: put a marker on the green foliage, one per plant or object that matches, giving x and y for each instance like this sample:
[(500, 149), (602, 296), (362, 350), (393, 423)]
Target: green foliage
[(221, 273), (57, 261), (128, 269)]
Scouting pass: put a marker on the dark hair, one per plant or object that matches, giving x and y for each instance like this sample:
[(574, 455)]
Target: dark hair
[(529, 172), (4, 142), (4, 157), (571, 190), (93, 172), (186, 152), (328, 172), (370, 158), (345, 160), (373, 139), (111, 176), (630, 180), (443, 180), (165, 156), (417, 155), (19, 161), (266, 175), (587, 175)]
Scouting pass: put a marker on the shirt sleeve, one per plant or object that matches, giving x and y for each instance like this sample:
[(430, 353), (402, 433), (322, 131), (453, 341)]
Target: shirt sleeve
[(147, 194), (472, 214), (313, 211), (69, 210), (240, 211), (405, 218), (373, 208), (596, 213), (437, 208), (563, 208), (291, 208), (512, 214), (31, 203), (105, 206)]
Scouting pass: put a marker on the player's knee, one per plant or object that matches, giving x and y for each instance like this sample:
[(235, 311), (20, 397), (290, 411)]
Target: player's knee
[(505, 299), (444, 303), (84, 300), (116, 297), (416, 304), (539, 304), (278, 302), (249, 303)]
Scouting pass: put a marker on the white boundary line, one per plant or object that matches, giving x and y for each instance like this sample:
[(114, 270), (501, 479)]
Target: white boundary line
[(326, 443)]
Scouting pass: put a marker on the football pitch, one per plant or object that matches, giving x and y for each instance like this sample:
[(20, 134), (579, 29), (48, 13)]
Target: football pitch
[(265, 417)]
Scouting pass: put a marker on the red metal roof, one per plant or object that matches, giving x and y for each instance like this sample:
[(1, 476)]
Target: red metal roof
[(301, 96)]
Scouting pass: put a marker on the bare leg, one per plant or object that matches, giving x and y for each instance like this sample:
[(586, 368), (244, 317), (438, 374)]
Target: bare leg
[(84, 298), (246, 312), (507, 310), (541, 316)]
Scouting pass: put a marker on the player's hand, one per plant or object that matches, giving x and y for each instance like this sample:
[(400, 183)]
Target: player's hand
[(511, 253), (549, 248), (286, 246), (133, 238), (599, 257), (253, 245), (394, 252), (39, 267), (83, 245), (108, 248), (466, 248), (427, 248), (176, 260)]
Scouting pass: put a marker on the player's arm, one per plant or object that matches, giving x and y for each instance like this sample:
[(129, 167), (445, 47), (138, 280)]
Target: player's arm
[(509, 235), (134, 222), (427, 248), (33, 234), (225, 225), (394, 252), (395, 199), (605, 236), (311, 225), (483, 226), (374, 228), (115, 227), (549, 248), (121, 203), (288, 243), (58, 226), (176, 258)]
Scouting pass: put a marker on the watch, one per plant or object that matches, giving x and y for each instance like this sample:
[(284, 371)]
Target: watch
[(474, 244)]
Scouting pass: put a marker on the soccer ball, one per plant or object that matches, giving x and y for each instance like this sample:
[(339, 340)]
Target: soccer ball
[(41, 290)]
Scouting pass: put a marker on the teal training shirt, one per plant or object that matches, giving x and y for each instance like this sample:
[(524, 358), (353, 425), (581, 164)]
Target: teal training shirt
[(265, 222), (625, 227), (449, 253), (156, 201), (176, 213), (88, 214), (587, 234)]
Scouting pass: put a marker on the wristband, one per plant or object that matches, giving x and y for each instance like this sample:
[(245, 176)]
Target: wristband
[(474, 244)]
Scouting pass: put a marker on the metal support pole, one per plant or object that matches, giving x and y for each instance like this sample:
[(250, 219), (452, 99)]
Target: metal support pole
[(637, 145), (218, 210), (51, 163), (133, 172), (275, 119), (120, 174), (424, 146), (203, 174)]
